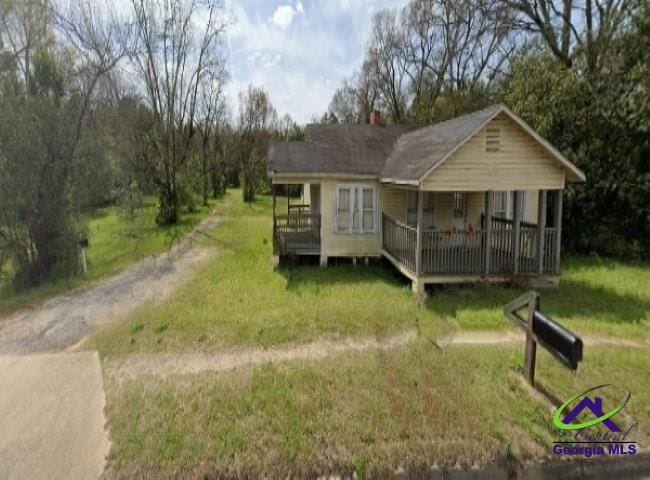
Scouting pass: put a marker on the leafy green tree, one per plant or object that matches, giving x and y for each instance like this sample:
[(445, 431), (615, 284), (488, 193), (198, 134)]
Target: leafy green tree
[(52, 63), (610, 213)]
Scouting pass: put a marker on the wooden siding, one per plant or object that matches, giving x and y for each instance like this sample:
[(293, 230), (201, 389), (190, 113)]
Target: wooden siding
[(475, 208), (519, 163), (345, 244), (393, 202)]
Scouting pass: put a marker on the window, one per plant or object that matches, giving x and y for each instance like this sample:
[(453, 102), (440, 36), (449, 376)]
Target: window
[(501, 204), (368, 210), (428, 220), (356, 209), (459, 205), (504, 205), (343, 209)]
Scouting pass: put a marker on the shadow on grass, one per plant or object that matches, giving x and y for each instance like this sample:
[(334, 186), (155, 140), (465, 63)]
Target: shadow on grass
[(307, 272), (571, 300)]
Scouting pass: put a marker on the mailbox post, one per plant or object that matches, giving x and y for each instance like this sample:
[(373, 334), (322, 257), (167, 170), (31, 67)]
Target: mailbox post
[(531, 346), (539, 328), (83, 244)]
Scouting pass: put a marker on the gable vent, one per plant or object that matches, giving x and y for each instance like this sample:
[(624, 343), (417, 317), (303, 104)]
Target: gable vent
[(492, 139)]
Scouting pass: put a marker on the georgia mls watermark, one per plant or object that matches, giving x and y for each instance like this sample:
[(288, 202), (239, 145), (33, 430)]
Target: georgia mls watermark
[(589, 438)]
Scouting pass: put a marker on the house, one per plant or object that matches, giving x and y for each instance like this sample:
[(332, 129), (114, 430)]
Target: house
[(475, 198)]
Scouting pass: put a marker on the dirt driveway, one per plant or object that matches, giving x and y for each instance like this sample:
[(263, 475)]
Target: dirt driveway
[(66, 320), (52, 422)]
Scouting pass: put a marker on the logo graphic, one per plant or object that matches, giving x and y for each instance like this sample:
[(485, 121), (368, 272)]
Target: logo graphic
[(589, 439), (596, 407)]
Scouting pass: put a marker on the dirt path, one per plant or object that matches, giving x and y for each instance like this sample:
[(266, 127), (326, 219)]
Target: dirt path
[(65, 320), (165, 364), (488, 337)]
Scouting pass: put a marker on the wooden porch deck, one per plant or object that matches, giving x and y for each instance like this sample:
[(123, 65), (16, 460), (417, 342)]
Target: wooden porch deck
[(478, 253)]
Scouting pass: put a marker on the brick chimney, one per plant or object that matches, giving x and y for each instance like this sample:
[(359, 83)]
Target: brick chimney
[(375, 117)]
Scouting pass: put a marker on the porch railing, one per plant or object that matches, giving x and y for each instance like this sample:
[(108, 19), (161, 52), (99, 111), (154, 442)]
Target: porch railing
[(452, 252), (398, 239), (297, 233), (468, 252)]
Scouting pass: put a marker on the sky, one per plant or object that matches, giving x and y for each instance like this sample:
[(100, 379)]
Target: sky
[(298, 50)]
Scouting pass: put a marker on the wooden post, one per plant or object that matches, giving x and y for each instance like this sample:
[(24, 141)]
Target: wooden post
[(557, 223), (541, 226), (418, 237), (489, 210), (516, 231), (84, 264), (531, 345), (276, 259)]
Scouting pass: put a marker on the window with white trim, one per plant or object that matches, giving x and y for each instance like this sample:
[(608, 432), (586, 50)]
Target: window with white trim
[(428, 218), (356, 209), (501, 204), (504, 205)]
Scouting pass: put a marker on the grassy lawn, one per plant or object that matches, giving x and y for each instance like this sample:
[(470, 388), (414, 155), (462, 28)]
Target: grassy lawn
[(370, 412), (596, 296), (238, 299), (115, 243)]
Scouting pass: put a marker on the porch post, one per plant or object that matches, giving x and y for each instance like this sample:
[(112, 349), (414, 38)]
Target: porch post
[(541, 227), (489, 209), (418, 237), (557, 223), (276, 256), (516, 231)]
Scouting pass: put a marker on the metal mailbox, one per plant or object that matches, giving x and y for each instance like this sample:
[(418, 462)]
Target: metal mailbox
[(564, 344)]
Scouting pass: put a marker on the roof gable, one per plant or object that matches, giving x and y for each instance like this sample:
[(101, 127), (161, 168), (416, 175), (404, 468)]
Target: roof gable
[(417, 154)]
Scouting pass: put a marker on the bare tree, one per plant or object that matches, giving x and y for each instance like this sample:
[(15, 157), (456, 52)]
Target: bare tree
[(211, 111), (179, 45), (572, 28), (386, 63), (257, 118), (23, 27), (457, 43)]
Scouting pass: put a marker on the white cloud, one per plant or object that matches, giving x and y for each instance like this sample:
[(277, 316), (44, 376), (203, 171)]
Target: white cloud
[(284, 15), (300, 63)]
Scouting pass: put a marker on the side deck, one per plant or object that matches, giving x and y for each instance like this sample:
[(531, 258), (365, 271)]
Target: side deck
[(297, 233)]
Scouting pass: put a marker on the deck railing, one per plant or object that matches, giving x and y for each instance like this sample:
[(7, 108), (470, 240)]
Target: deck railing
[(452, 252), (297, 233), (398, 239), (464, 252)]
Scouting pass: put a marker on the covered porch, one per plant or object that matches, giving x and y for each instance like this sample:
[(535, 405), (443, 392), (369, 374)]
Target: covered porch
[(497, 249)]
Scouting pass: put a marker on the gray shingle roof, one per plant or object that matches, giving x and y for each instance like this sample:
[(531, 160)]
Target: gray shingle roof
[(346, 149), (394, 153), (417, 152)]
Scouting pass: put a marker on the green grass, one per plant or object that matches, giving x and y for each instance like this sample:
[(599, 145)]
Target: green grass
[(368, 412), (115, 243), (238, 299), (410, 408), (595, 296)]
